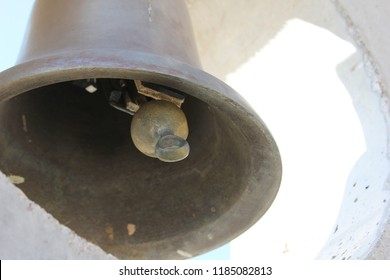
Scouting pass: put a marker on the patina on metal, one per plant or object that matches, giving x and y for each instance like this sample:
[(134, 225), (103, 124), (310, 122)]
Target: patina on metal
[(159, 129), (60, 132)]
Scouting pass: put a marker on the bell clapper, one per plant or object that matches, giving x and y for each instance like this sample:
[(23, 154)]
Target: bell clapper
[(159, 127)]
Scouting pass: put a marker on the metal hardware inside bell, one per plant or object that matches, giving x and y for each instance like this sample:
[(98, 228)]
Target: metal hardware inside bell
[(122, 137)]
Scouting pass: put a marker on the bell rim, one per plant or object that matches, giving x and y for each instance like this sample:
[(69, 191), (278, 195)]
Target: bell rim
[(86, 64)]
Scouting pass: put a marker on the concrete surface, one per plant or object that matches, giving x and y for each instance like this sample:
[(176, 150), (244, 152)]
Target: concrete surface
[(28, 232), (368, 25), (317, 72)]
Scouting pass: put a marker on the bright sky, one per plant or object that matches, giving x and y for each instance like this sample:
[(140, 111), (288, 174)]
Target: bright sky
[(13, 19)]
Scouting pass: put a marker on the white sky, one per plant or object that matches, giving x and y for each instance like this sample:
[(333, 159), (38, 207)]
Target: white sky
[(13, 19)]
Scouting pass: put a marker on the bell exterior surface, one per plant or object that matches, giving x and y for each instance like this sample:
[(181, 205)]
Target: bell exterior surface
[(74, 150)]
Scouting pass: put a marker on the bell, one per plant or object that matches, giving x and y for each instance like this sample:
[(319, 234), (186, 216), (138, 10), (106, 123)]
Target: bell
[(121, 136)]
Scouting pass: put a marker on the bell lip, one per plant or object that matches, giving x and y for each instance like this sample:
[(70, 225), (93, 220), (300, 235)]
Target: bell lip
[(166, 71)]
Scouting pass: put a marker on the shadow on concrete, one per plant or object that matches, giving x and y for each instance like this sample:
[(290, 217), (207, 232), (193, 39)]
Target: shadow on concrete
[(229, 33)]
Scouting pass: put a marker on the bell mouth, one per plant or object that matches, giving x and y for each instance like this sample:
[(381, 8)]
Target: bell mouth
[(78, 161)]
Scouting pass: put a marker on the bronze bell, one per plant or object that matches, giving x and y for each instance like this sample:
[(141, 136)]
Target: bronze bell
[(198, 167)]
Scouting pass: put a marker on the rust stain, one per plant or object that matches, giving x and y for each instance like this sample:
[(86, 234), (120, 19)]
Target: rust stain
[(131, 228), (24, 123), (109, 230)]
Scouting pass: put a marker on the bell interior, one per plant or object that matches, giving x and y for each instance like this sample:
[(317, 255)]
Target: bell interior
[(78, 162)]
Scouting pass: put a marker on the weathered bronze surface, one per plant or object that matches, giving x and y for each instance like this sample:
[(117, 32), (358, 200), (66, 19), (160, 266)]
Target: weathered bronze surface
[(159, 129), (74, 149)]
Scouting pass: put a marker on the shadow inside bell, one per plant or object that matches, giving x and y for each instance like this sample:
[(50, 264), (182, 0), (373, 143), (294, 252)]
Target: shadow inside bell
[(79, 163)]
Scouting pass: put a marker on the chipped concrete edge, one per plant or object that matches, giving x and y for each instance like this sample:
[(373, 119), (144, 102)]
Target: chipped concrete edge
[(380, 249)]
